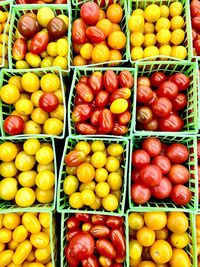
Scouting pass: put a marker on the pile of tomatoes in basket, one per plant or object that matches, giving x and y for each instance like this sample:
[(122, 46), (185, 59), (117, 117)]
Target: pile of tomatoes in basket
[(3, 36), (159, 171), (195, 15)]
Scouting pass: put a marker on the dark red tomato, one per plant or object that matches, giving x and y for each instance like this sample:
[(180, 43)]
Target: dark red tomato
[(164, 148), (124, 117), (94, 119), (140, 159), (171, 123), (152, 125), (110, 81), (140, 193), (144, 115), (19, 49), (195, 8), (178, 174), (78, 100), (114, 222), (72, 233), (181, 80), (83, 217), (162, 190), (167, 89), (56, 28), (82, 246), (157, 78), (162, 107), (79, 31), (196, 23), (126, 79), (95, 82), (177, 153), (95, 35), (28, 26), (179, 102), (39, 43), (151, 175), (48, 102), (72, 223), (84, 79), (98, 219), (144, 94), (119, 129), (106, 121), (135, 176), (105, 248), (152, 100), (102, 99), (197, 46), (119, 242), (198, 149), (84, 92), (13, 125), (90, 262), (163, 163), (73, 262), (123, 92), (100, 231), (85, 128), (152, 146), (82, 112), (181, 195), (90, 13), (143, 81)]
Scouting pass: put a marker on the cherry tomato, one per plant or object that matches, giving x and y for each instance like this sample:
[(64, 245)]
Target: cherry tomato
[(114, 222), (39, 43), (95, 82), (72, 223), (95, 35), (102, 99), (72, 233), (179, 102), (144, 94), (48, 102), (94, 120), (144, 115), (177, 153), (84, 92), (110, 81), (90, 262), (56, 28), (168, 89), (196, 23), (19, 49), (123, 92), (197, 46), (13, 125), (106, 121), (152, 125), (119, 129), (152, 146), (171, 123), (85, 128), (124, 117), (163, 163), (82, 112), (140, 193), (162, 107), (162, 190), (28, 26), (135, 175), (98, 219), (105, 248), (178, 174), (181, 195), (140, 158), (83, 217), (151, 175), (73, 262), (143, 81), (75, 158), (195, 8), (181, 80), (100, 231), (119, 242), (157, 78), (126, 79), (90, 13), (79, 31)]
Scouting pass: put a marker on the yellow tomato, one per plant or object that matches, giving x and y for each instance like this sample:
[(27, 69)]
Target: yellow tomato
[(137, 53), (79, 61), (152, 13), (100, 53), (161, 251), (25, 197), (177, 22), (45, 180), (135, 221), (35, 96), (86, 51), (119, 106), (136, 23), (90, 186), (75, 201), (115, 150), (97, 146), (31, 127), (16, 81), (60, 62), (39, 116), (24, 106), (43, 167), (47, 62), (117, 40), (64, 18), (44, 15), (87, 197), (50, 82), (84, 147), (30, 82), (85, 172), (162, 23), (102, 189), (105, 25), (180, 258), (165, 50), (137, 38), (155, 220), (98, 159), (31, 146), (164, 11), (149, 39), (44, 196), (22, 64), (101, 175), (5, 235), (2, 247), (179, 52), (53, 126), (114, 180), (44, 155), (115, 55), (151, 51), (175, 9), (8, 169), (148, 27), (52, 49), (20, 234), (162, 233), (31, 222), (145, 236), (138, 11), (43, 254), (163, 36), (146, 264), (44, 218), (177, 36), (70, 184), (8, 151), (59, 95), (12, 245), (22, 252), (177, 222), (8, 188), (179, 240), (9, 93), (110, 202), (96, 204), (62, 47), (135, 250), (6, 257), (24, 162), (11, 220), (112, 164), (39, 240)]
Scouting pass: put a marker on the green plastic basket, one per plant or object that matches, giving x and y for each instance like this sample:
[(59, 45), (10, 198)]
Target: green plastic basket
[(76, 14), (19, 10), (198, 88), (9, 206), (62, 198), (6, 109), (133, 4), (189, 114), (195, 232), (167, 205), (87, 72), (190, 248), (63, 241)]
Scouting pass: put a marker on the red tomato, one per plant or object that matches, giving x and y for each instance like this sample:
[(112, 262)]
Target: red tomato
[(85, 128), (114, 222), (157, 78), (39, 43), (163, 163), (48, 102), (72, 223), (123, 92), (19, 49), (126, 79), (79, 31), (13, 125), (84, 79), (164, 148), (106, 121), (78, 100), (198, 149), (181, 80), (144, 94), (105, 248), (140, 193), (151, 175), (179, 102), (98, 219), (119, 129), (140, 158), (135, 176), (94, 119), (177, 153), (95, 35), (82, 112), (194, 35), (102, 99), (119, 242), (162, 190), (195, 8), (196, 23), (72, 233), (83, 217), (152, 100), (152, 125), (143, 81), (75, 158), (167, 89), (90, 13), (84, 92), (144, 115), (95, 82), (73, 262), (178, 174), (100, 231), (162, 106), (90, 262), (124, 117), (152, 146), (171, 123), (110, 81), (197, 46), (181, 195)]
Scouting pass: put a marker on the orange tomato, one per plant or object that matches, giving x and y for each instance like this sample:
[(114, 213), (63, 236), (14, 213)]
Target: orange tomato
[(180, 258), (102, 14), (155, 220), (161, 252), (145, 236), (116, 27), (85, 172), (117, 40), (114, 13), (198, 221), (115, 55), (147, 264), (79, 61), (177, 222), (162, 233), (105, 25)]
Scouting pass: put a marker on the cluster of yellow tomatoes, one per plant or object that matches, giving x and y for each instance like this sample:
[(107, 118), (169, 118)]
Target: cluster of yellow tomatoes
[(25, 240), (27, 171), (3, 35), (157, 30)]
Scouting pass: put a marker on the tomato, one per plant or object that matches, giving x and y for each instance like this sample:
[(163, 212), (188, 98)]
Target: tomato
[(171, 123), (100, 231), (152, 125), (152, 146), (13, 125), (72, 223), (48, 102), (102, 99), (95, 82), (73, 262), (114, 222), (106, 121), (117, 40), (195, 8), (157, 78), (135, 175), (118, 241), (179, 102), (94, 120), (114, 13), (123, 92), (197, 46), (162, 106), (151, 175), (163, 163), (140, 158), (110, 81), (83, 217), (119, 129), (143, 81), (85, 128), (71, 233), (124, 117), (39, 43), (75, 158), (79, 31), (140, 193), (8, 188), (90, 262), (84, 92), (177, 153), (144, 94), (95, 35), (90, 13), (126, 79), (196, 23), (85, 172), (8, 151), (19, 49), (119, 106), (56, 28), (180, 195), (105, 25), (82, 112), (144, 115), (181, 80), (168, 89), (162, 190), (105, 248), (178, 174), (161, 251), (28, 26)]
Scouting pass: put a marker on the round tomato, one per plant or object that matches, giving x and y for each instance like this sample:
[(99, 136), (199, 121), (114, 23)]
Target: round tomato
[(181, 195), (177, 153), (143, 81), (161, 251), (90, 13), (162, 190), (163, 163), (171, 123), (151, 175), (179, 102), (168, 89), (181, 80), (197, 46), (135, 176), (140, 193), (48, 102), (179, 174), (140, 158), (144, 94), (195, 8), (161, 107), (152, 146), (13, 125), (144, 115), (157, 78), (152, 125)]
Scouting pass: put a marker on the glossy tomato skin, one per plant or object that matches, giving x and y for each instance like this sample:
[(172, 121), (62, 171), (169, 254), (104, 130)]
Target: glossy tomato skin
[(39, 43), (144, 94), (140, 193), (48, 102), (154, 97), (72, 233), (95, 82), (179, 102), (82, 112), (144, 115), (197, 46), (73, 262), (181, 80), (84, 79), (83, 217), (90, 13), (180, 195), (74, 158), (178, 174), (94, 120), (124, 117), (110, 81), (100, 231), (84, 92), (106, 121), (114, 222), (140, 159), (162, 190), (143, 81), (126, 79), (135, 176), (167, 89), (152, 146), (102, 99), (151, 175), (72, 223), (196, 23), (177, 153), (123, 92), (195, 8), (152, 125), (85, 128), (98, 219), (28, 26), (79, 31), (78, 100), (95, 35), (119, 242), (105, 248), (119, 129), (13, 125), (171, 123), (157, 78), (163, 163), (90, 262), (19, 49), (162, 107), (56, 28)]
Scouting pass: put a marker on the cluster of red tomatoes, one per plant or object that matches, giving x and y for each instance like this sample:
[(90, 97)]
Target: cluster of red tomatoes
[(102, 103), (95, 240), (160, 99), (158, 171), (195, 14)]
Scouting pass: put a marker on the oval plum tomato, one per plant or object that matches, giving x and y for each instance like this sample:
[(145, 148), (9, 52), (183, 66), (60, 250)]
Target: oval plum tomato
[(181, 80), (123, 92), (95, 35), (179, 102), (152, 146), (84, 92), (157, 78), (85, 128), (90, 262), (114, 222), (167, 89), (126, 79), (13, 125), (171, 123), (177, 153), (162, 190), (144, 94), (163, 163), (73, 262), (135, 176), (28, 26), (98, 219), (197, 46), (140, 158), (100, 231), (105, 248), (151, 175), (144, 115), (178, 174), (48, 102), (75, 158), (143, 81), (83, 217), (124, 117), (79, 31), (90, 13), (94, 119), (140, 193), (95, 82), (82, 112), (119, 242), (181, 195), (152, 125), (195, 8), (106, 121), (119, 129), (19, 49), (72, 223), (39, 43), (162, 107), (196, 23), (102, 99), (110, 81)]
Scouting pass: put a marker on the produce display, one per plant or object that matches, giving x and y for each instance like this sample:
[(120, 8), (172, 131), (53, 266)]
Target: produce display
[(158, 31), (27, 172), (198, 237), (97, 35), (102, 103), (159, 239), (35, 104), (24, 2), (25, 239), (40, 39), (94, 240), (4, 30), (160, 170), (195, 20)]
